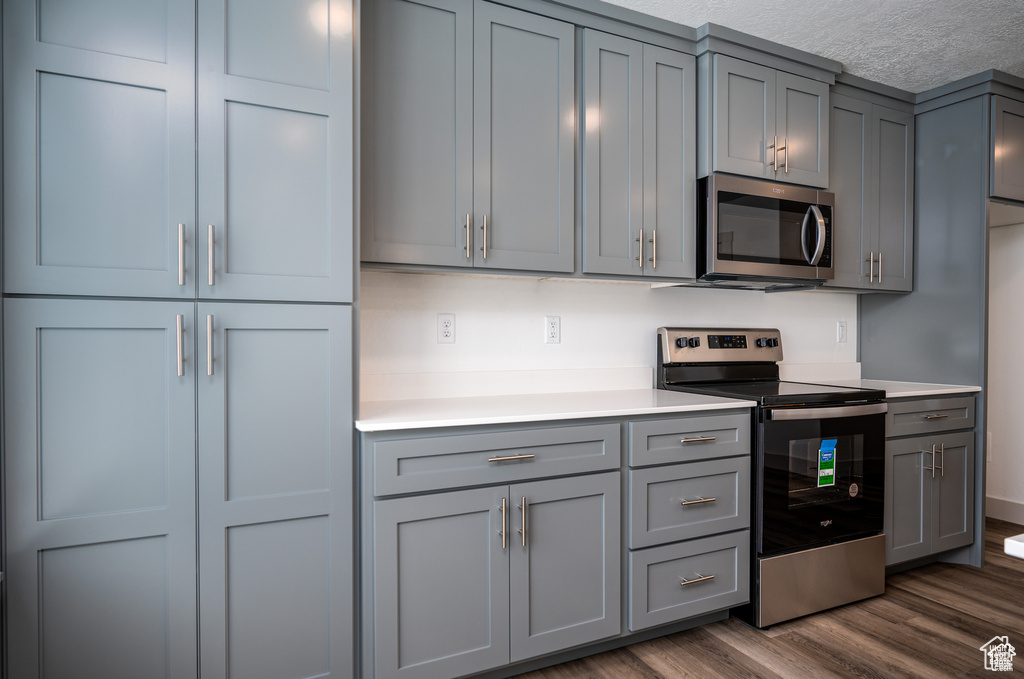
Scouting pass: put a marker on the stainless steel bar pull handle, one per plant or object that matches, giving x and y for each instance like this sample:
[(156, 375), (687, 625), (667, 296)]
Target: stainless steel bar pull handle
[(775, 151), (507, 458), (694, 581), (942, 457), (504, 525), (181, 254), (209, 344), (879, 267), (209, 253), (640, 250), (936, 416), (469, 254), (654, 249), (699, 501), (871, 271), (697, 439), (179, 323), (932, 468), (522, 531), (483, 248), (785, 158)]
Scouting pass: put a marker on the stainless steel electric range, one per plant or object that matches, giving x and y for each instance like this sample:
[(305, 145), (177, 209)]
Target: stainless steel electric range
[(818, 470)]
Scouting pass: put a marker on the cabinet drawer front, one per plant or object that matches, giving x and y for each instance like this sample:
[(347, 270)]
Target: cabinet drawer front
[(715, 572), (687, 439), (436, 462), (688, 500), (925, 416)]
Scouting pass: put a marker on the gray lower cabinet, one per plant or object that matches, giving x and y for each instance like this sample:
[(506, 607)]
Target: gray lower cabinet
[(929, 491), (639, 153), (99, 416), (468, 136), (872, 176), (471, 580), (275, 477), (1007, 167), (764, 123), (102, 433)]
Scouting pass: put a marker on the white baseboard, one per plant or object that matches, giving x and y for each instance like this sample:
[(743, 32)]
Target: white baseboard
[(1005, 510)]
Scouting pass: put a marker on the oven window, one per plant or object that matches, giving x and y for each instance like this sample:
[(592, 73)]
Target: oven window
[(825, 470)]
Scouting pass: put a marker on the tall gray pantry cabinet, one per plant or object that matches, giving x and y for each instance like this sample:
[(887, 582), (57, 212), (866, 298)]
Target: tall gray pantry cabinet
[(178, 282)]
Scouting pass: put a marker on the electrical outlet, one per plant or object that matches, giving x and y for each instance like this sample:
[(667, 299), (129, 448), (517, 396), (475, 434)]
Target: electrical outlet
[(446, 328), (841, 332), (552, 329)]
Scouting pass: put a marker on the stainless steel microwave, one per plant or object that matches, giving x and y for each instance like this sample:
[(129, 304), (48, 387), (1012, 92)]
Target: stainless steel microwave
[(756, 232)]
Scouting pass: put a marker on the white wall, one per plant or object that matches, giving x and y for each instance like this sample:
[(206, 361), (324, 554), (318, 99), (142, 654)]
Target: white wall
[(1005, 479), (608, 332)]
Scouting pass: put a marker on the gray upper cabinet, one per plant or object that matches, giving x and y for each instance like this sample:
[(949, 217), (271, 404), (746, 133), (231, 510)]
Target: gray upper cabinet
[(872, 176), (275, 170), (470, 136), (766, 123), (100, 495), (275, 477), (639, 155), (1007, 149), (99, 119)]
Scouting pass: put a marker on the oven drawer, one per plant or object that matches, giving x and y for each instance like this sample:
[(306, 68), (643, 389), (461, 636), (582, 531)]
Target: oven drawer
[(926, 416), (686, 439), (686, 501), (421, 463), (687, 579)]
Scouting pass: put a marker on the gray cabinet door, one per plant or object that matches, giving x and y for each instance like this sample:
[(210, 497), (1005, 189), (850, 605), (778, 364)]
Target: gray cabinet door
[(275, 162), (613, 154), (99, 119), (1007, 149), (908, 491), (893, 197), (801, 124), (417, 127), (440, 584), (524, 140), (953, 492), (564, 563), (670, 189), (100, 488), (275, 466), (851, 181), (743, 117)]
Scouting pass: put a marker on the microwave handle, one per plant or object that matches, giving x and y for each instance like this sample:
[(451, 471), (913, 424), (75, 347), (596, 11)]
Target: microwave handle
[(813, 212)]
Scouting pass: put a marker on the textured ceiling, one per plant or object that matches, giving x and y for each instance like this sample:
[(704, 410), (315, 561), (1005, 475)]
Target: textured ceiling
[(914, 45)]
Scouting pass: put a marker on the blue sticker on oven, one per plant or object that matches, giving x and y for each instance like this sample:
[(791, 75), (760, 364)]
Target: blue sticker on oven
[(827, 463)]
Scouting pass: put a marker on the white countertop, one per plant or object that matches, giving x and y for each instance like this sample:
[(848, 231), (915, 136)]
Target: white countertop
[(907, 389), (460, 412)]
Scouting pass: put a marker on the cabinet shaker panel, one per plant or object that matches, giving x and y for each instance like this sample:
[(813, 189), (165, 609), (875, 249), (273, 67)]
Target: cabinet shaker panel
[(100, 122), (524, 140), (894, 191), (744, 117), (802, 120), (275, 473), (100, 488), (1007, 149), (417, 125), (275, 164)]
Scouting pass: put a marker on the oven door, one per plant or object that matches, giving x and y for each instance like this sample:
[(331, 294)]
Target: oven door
[(820, 475)]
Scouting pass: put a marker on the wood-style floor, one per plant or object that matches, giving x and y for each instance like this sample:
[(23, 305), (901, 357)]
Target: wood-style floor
[(929, 623)]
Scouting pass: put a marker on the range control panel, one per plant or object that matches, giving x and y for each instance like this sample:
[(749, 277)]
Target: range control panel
[(718, 345)]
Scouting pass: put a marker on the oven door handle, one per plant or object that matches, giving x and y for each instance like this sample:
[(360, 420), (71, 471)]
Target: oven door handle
[(828, 412)]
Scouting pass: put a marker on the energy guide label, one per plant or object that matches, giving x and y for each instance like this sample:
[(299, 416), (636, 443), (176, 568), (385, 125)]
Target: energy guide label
[(827, 463)]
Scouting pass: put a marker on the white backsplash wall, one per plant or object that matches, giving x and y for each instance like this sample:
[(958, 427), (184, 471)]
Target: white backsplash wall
[(1005, 476), (607, 332)]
